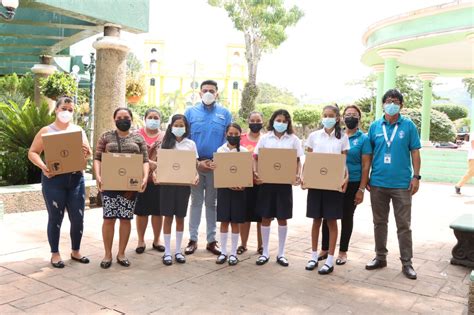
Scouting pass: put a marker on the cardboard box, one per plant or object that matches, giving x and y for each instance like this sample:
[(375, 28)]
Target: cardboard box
[(233, 169), (63, 152), (175, 167), (324, 171), (122, 171), (277, 166)]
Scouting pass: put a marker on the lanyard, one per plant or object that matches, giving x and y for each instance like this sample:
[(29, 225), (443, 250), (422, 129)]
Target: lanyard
[(394, 132)]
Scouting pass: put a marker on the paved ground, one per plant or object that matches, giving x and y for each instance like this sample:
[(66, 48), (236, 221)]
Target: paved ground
[(29, 284)]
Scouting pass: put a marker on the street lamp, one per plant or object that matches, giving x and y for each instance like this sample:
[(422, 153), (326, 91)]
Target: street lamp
[(10, 7), (77, 78), (89, 65)]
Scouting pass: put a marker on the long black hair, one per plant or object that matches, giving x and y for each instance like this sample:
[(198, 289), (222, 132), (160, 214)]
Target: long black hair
[(284, 112), (236, 126), (337, 126), (169, 140)]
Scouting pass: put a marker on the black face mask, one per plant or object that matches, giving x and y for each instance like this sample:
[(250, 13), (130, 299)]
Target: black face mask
[(233, 140), (255, 127), (123, 124), (351, 122)]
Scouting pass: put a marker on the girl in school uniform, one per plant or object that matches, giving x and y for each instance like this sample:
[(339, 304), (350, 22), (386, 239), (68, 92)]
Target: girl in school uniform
[(326, 204), (231, 202), (249, 141), (174, 199), (276, 200)]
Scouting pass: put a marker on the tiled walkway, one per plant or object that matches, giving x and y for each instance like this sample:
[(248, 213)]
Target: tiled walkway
[(29, 284)]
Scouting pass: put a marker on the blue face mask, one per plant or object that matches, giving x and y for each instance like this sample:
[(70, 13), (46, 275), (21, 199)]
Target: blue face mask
[(152, 124), (279, 126), (392, 109), (178, 131), (329, 122)]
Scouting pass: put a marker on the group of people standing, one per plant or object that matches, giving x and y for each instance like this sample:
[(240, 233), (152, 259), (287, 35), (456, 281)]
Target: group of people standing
[(389, 152)]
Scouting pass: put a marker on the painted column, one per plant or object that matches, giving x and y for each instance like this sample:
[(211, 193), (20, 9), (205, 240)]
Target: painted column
[(43, 70), (390, 57), (470, 37), (379, 70), (110, 78), (426, 109)]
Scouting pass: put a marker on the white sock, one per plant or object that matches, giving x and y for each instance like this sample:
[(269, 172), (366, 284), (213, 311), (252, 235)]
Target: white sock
[(314, 255), (167, 244), (224, 243), (235, 242), (282, 231), (265, 239), (179, 240), (329, 260)]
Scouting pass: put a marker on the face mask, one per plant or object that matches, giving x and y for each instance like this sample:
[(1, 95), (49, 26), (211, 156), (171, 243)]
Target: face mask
[(280, 127), (233, 140), (392, 109), (65, 116), (123, 124), (351, 122), (329, 122), (208, 98), (178, 131), (152, 124), (255, 127)]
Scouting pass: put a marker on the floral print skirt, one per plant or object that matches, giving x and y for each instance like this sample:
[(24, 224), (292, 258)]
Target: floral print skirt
[(119, 204)]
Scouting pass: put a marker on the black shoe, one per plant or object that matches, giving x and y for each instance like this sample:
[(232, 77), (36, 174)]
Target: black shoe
[(123, 262), (282, 261), (167, 260), (180, 258), (376, 264), (59, 264), (325, 256), (409, 272), (233, 260), (262, 260), (159, 248), (82, 260), (221, 259), (105, 264), (140, 249), (311, 265), (325, 270), (457, 190)]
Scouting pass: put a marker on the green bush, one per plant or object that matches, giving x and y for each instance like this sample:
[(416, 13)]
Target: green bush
[(58, 84), (306, 117), (18, 127), (140, 109), (268, 109), (441, 127), (27, 86), (463, 124), (453, 111)]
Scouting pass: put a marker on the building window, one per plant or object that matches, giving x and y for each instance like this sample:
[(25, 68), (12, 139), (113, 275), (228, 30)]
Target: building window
[(235, 85), (152, 82)]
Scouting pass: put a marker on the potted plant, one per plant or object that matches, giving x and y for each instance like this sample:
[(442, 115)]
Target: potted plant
[(58, 84), (135, 89)]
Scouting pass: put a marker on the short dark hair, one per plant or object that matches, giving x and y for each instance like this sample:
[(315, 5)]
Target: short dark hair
[(256, 113), (125, 109), (284, 112), (151, 110), (64, 99), (209, 82), (392, 93)]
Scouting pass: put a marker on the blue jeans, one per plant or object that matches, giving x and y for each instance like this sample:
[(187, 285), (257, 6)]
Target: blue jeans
[(61, 192), (206, 184)]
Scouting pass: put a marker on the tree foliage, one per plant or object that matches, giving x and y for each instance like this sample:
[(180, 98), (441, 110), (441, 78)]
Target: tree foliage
[(17, 88), (441, 127), (264, 25), (134, 65), (453, 111), (268, 109), (469, 84), (58, 84), (271, 94), (307, 117)]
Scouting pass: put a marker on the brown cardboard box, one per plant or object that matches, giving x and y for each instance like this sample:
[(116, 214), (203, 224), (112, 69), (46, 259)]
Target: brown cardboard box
[(122, 171), (175, 167), (277, 166), (63, 152), (324, 171), (233, 169)]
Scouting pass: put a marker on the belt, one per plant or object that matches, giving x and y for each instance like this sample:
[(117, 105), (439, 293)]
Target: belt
[(203, 159)]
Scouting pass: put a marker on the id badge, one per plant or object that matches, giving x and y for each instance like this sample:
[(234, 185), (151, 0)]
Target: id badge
[(387, 158)]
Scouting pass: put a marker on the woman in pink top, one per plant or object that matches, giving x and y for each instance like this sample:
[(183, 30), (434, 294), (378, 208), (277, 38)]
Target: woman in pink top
[(148, 202)]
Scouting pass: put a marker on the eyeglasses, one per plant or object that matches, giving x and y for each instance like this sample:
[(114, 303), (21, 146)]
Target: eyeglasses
[(351, 115)]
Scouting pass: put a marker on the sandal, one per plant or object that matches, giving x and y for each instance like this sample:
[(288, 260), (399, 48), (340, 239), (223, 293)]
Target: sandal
[(221, 259), (180, 258), (233, 260), (282, 261), (325, 270), (262, 260), (167, 260), (124, 262), (311, 265), (105, 264), (241, 249)]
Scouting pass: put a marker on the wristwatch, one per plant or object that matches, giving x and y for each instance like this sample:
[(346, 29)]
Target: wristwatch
[(417, 177)]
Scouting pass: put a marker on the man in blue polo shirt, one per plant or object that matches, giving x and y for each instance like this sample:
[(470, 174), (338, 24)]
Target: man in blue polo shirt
[(208, 121), (395, 176)]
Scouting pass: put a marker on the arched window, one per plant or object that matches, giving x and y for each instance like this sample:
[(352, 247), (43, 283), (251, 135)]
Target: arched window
[(235, 85), (152, 82)]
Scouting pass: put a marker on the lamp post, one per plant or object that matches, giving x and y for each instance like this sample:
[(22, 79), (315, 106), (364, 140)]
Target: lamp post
[(10, 7), (91, 68)]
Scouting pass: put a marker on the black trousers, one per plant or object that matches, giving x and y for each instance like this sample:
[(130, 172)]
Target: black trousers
[(347, 221)]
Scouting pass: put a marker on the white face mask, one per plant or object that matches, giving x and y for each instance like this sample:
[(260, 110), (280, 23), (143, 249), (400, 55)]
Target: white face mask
[(65, 116), (208, 98)]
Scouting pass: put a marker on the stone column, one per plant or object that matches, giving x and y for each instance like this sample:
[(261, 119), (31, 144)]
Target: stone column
[(426, 109), (43, 70), (379, 70), (111, 68), (390, 57)]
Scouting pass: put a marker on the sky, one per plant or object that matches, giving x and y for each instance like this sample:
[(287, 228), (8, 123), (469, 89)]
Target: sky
[(317, 62)]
